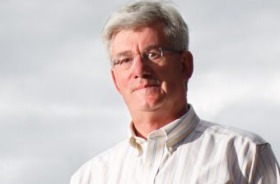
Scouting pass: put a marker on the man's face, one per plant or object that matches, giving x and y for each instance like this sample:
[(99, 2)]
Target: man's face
[(147, 86)]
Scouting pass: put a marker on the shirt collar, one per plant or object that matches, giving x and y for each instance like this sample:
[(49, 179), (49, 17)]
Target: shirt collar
[(179, 129), (135, 141), (175, 132)]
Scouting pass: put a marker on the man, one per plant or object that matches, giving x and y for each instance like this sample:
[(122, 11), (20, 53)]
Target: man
[(169, 144)]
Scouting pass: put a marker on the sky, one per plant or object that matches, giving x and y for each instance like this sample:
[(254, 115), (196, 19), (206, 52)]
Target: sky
[(59, 107)]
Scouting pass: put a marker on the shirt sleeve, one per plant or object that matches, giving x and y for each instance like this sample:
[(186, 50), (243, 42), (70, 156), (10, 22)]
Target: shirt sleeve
[(266, 166)]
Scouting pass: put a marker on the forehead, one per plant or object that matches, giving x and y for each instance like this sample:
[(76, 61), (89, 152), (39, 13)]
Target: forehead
[(136, 40)]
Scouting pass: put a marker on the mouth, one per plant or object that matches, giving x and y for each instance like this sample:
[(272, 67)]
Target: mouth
[(147, 84)]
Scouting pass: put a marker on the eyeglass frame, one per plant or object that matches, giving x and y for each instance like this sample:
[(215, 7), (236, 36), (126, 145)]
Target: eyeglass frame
[(145, 56)]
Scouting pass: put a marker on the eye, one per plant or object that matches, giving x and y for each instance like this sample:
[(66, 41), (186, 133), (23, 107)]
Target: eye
[(153, 54), (123, 60)]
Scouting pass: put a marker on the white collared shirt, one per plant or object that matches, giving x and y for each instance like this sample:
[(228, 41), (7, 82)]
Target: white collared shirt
[(186, 151)]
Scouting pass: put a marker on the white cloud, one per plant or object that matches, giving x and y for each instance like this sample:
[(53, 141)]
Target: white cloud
[(56, 94)]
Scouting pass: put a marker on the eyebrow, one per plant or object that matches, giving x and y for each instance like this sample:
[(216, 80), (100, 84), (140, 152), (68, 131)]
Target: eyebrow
[(151, 47), (123, 53), (127, 52)]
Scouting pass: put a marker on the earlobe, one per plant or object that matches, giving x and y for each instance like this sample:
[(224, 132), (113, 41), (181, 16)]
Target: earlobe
[(114, 80)]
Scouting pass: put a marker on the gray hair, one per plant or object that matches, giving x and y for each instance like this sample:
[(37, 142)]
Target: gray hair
[(144, 13)]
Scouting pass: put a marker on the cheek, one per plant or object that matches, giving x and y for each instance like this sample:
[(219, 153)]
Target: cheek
[(121, 81), (168, 73), (171, 76)]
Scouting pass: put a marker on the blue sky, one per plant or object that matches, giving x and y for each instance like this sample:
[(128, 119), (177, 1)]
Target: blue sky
[(58, 105)]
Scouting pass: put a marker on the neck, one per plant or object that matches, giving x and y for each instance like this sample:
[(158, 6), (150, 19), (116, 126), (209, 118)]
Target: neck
[(147, 122)]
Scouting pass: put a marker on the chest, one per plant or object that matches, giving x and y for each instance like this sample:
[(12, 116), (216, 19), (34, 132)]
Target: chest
[(185, 165)]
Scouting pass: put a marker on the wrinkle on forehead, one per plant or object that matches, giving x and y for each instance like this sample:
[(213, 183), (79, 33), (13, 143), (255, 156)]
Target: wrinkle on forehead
[(133, 41)]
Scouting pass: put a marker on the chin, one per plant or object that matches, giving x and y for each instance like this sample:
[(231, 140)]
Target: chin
[(150, 106), (145, 102)]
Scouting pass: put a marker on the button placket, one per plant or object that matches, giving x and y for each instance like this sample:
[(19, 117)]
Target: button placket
[(155, 150)]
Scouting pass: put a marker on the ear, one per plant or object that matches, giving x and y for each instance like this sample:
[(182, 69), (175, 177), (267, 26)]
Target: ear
[(187, 62), (114, 80)]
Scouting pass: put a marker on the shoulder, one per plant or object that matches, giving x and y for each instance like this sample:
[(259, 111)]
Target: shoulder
[(219, 131), (96, 166), (108, 154)]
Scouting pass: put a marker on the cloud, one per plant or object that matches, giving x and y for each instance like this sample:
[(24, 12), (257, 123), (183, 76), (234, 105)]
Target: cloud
[(57, 100)]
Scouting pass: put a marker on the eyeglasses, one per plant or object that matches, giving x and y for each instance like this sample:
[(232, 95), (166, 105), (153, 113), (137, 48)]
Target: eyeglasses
[(125, 60)]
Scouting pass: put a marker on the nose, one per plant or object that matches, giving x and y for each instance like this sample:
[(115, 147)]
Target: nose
[(140, 68)]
